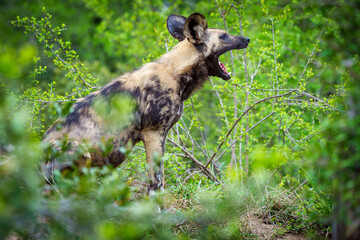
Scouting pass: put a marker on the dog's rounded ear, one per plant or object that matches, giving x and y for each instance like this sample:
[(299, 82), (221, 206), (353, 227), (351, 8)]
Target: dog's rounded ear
[(195, 27), (175, 25)]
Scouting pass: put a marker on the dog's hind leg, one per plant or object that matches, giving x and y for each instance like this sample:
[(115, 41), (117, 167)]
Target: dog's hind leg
[(154, 147)]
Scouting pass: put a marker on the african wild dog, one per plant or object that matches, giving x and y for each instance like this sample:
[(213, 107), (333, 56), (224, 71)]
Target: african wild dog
[(159, 89)]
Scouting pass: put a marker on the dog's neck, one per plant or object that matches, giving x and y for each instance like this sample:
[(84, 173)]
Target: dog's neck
[(193, 79), (188, 65), (177, 60)]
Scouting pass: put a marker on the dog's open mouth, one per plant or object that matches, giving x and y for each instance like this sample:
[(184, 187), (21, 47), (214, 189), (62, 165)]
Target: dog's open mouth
[(219, 69), (216, 67), (224, 72)]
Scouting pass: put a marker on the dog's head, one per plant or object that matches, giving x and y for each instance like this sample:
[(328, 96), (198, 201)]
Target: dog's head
[(210, 42)]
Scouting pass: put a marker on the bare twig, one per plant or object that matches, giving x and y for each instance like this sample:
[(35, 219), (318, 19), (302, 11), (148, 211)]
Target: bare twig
[(256, 71), (201, 166), (317, 99), (266, 89), (49, 102), (220, 100), (53, 101), (274, 48), (193, 140), (312, 53), (236, 140), (299, 187), (201, 132), (193, 172), (246, 99), (304, 140)]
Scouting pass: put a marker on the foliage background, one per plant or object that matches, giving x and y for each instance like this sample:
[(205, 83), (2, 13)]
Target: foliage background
[(277, 143)]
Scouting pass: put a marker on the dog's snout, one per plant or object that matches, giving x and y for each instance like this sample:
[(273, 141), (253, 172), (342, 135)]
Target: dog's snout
[(246, 40)]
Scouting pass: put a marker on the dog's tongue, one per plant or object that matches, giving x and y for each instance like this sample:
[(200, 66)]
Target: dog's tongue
[(223, 68)]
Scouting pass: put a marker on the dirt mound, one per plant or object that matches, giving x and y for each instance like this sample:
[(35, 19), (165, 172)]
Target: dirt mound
[(268, 231)]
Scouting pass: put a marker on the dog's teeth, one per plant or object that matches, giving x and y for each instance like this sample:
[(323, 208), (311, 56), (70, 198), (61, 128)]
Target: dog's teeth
[(223, 68)]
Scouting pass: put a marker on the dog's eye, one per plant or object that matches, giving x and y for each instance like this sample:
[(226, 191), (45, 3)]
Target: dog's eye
[(224, 36)]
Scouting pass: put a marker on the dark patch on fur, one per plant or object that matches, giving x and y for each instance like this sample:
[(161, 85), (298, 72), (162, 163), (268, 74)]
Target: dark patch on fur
[(193, 79), (153, 90), (58, 123), (155, 78), (116, 87), (116, 157), (211, 69), (80, 109), (136, 93), (201, 47), (111, 88), (157, 99)]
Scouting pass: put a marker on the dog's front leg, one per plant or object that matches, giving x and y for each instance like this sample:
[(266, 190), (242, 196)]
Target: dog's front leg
[(154, 147)]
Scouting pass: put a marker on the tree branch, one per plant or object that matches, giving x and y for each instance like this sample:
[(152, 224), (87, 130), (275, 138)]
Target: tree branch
[(201, 166), (238, 120), (269, 115)]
